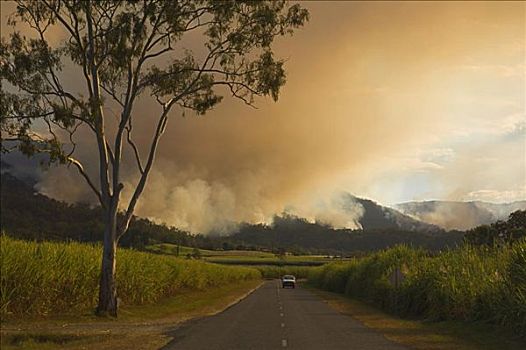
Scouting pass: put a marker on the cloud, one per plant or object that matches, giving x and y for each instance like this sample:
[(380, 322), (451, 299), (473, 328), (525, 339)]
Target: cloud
[(501, 70), (497, 196)]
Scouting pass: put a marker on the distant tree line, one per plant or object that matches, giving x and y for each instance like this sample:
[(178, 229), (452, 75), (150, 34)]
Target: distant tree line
[(500, 232), (299, 236)]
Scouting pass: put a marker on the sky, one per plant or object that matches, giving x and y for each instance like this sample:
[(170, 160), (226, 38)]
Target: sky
[(392, 101)]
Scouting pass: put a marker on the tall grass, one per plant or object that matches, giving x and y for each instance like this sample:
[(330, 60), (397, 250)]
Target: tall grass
[(42, 278), (469, 283)]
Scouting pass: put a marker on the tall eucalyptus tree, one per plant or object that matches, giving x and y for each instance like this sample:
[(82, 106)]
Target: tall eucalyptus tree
[(122, 50)]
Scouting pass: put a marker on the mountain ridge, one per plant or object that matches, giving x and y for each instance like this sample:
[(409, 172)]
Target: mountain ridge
[(461, 215), (378, 216), (421, 216)]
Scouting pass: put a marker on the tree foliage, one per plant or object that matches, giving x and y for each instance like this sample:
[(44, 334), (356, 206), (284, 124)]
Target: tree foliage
[(500, 232)]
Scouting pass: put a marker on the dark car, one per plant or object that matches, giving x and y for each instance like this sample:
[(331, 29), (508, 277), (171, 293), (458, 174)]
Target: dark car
[(288, 281)]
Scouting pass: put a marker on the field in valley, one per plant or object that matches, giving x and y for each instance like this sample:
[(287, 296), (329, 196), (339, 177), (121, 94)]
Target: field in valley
[(240, 257)]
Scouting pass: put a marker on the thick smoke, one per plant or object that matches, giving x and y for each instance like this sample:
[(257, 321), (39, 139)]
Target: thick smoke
[(365, 82), (460, 215)]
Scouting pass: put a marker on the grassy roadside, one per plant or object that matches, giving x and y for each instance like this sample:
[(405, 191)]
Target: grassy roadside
[(138, 327), (467, 284), (46, 278), (425, 335)]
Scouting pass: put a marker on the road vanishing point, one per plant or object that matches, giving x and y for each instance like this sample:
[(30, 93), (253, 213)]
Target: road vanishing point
[(276, 318)]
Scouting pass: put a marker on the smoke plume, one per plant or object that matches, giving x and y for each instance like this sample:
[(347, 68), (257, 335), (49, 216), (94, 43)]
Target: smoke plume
[(366, 82)]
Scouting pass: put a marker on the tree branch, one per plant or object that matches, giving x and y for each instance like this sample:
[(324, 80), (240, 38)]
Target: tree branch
[(97, 110), (134, 147), (82, 172), (161, 126)]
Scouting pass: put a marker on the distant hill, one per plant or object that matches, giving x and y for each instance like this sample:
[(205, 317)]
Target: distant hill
[(376, 216), (27, 214), (34, 216), (459, 215)]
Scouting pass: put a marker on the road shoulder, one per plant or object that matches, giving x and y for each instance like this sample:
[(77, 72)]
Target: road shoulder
[(424, 335)]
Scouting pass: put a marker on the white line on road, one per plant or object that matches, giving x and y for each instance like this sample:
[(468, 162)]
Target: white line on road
[(284, 343)]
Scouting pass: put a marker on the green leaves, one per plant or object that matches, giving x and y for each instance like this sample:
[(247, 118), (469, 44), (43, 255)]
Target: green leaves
[(500, 232), (25, 65), (467, 283), (270, 75)]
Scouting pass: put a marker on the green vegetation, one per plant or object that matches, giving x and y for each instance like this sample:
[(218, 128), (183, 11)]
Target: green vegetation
[(417, 334), (239, 257), (45, 278), (283, 260), (299, 261), (500, 232), (85, 331), (467, 284), (174, 249)]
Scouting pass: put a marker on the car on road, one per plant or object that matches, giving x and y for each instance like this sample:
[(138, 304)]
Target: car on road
[(288, 281)]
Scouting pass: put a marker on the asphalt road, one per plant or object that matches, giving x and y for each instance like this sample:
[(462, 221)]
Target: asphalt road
[(276, 318)]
